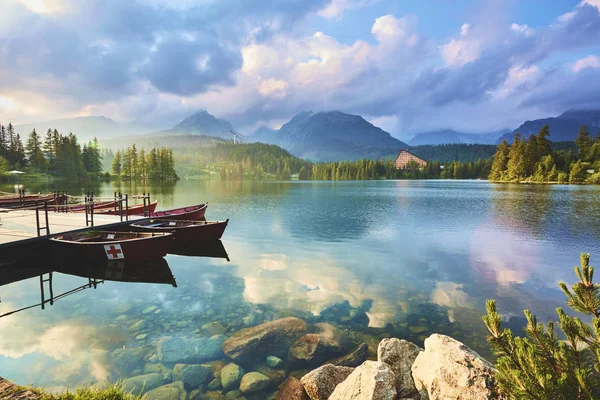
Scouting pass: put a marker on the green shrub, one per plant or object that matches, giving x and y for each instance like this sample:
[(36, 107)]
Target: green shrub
[(543, 366)]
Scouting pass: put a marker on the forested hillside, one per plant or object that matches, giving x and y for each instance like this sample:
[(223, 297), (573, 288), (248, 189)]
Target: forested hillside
[(534, 159)]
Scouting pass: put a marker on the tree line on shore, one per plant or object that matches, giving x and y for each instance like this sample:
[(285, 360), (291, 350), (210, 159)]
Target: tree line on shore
[(533, 160), (55, 154), (156, 164)]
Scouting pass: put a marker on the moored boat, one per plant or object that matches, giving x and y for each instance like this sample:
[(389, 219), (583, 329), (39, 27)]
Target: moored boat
[(97, 206), (95, 245), (136, 209), (185, 231), (12, 201), (191, 213)]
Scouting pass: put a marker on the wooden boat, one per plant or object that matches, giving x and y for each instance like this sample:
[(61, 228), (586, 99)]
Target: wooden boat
[(191, 213), (136, 209), (184, 231), (91, 245), (30, 200), (97, 206)]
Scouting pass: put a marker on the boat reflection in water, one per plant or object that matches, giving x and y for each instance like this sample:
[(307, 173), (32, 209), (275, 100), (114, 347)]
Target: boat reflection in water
[(156, 271)]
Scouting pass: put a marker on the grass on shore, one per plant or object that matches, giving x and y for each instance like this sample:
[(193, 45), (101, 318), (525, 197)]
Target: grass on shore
[(110, 392)]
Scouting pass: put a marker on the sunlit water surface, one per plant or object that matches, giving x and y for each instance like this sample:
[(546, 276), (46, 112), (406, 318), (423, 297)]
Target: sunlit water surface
[(417, 256)]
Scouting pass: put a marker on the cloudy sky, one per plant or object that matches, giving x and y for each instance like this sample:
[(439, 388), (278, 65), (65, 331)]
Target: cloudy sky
[(405, 65)]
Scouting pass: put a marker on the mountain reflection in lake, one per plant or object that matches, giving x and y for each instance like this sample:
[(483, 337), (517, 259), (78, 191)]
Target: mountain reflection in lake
[(378, 258)]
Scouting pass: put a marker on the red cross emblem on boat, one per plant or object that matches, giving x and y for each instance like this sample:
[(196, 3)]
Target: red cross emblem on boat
[(114, 251)]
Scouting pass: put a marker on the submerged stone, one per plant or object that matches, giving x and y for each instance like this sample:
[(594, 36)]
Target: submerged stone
[(178, 349), (192, 375), (172, 391), (273, 337), (231, 375), (150, 309), (292, 389), (127, 360), (143, 383), (254, 382), (274, 362), (315, 348), (353, 359)]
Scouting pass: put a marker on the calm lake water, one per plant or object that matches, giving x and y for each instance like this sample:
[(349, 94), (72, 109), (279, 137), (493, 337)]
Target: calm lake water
[(416, 257)]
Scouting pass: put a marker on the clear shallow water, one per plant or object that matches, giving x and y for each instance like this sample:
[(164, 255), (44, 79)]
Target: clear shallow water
[(417, 256)]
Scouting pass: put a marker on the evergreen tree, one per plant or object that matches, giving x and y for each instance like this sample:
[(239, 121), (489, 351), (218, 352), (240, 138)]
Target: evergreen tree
[(515, 167), (4, 143), (49, 149), (542, 365), (584, 143), (500, 162), (35, 155), (116, 164)]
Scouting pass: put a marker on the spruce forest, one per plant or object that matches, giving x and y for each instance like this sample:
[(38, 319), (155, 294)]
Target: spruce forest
[(533, 160)]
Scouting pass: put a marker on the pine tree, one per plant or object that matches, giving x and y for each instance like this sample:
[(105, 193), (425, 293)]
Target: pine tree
[(49, 150), (500, 162), (35, 155), (116, 164), (542, 365), (584, 143), (515, 168), (4, 144)]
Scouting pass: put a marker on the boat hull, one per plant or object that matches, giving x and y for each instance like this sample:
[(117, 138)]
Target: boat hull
[(140, 249), (187, 234), (137, 209), (192, 213)]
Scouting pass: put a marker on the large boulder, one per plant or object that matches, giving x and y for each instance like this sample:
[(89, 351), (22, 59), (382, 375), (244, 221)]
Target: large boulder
[(354, 358), (128, 359), (400, 356), (292, 389), (271, 338), (192, 375), (373, 380), (231, 375), (254, 382), (321, 382), (190, 350), (143, 383), (448, 369), (315, 348), (172, 391)]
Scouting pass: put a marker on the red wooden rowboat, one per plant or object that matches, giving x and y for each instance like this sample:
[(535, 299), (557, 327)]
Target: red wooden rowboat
[(184, 231), (97, 206), (98, 245), (136, 209), (191, 213), (30, 200)]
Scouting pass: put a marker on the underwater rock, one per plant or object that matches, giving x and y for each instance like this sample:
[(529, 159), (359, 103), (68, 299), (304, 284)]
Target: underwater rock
[(214, 384), (127, 360), (273, 337), (276, 376), (321, 382), (231, 374), (178, 349), (123, 308), (143, 383), (172, 391), (192, 375), (449, 369), (136, 326), (400, 356), (197, 394), (254, 382), (213, 395), (353, 359), (234, 395), (292, 389), (373, 380), (274, 362), (150, 309), (315, 348), (213, 328)]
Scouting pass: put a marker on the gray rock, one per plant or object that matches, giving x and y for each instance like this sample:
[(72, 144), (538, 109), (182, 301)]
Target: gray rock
[(321, 382), (273, 338), (231, 375), (143, 383), (292, 389), (254, 382), (353, 359), (123, 308), (234, 395), (127, 360), (400, 356), (274, 362), (192, 375), (213, 395), (178, 349), (276, 376), (373, 380), (172, 391), (448, 369), (196, 394), (315, 348), (150, 309)]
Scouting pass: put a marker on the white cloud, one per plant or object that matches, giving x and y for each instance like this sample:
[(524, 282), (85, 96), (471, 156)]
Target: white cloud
[(464, 49), (593, 3), (587, 62), (335, 9), (274, 88), (524, 29), (518, 76)]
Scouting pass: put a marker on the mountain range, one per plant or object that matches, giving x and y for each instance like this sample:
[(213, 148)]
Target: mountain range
[(565, 127), (321, 136), (331, 136), (450, 136)]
